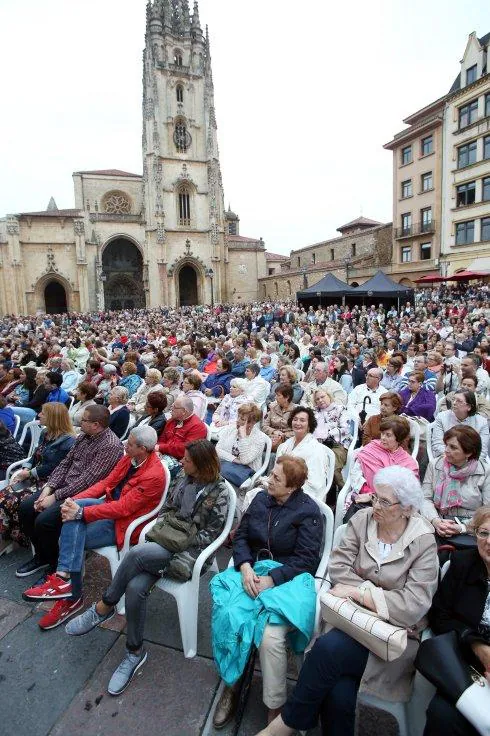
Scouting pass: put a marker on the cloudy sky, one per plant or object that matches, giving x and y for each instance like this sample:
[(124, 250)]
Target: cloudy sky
[(306, 94)]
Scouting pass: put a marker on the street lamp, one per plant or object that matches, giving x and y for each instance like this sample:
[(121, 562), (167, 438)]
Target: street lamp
[(210, 273)]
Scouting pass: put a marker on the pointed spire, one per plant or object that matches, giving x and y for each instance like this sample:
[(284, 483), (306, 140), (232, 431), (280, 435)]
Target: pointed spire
[(52, 206), (167, 15), (196, 23), (186, 15)]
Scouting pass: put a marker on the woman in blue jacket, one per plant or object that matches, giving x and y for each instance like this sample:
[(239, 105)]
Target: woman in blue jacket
[(283, 524), (55, 442)]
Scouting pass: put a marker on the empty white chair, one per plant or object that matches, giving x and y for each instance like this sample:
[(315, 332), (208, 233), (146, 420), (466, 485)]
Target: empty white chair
[(187, 594), (115, 556)]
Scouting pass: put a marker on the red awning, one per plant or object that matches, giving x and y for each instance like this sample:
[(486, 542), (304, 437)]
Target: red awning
[(467, 276), (430, 278)]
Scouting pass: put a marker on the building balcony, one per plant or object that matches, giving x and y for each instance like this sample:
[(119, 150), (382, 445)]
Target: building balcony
[(418, 228)]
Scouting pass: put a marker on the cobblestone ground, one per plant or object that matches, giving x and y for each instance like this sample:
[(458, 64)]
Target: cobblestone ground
[(54, 684)]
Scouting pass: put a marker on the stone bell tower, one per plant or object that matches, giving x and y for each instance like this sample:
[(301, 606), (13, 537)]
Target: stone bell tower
[(185, 241)]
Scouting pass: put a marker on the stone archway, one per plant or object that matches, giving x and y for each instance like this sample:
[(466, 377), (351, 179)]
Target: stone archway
[(122, 266), (188, 286), (55, 300)]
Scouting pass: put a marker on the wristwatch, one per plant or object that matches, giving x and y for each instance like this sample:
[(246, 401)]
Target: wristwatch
[(79, 514)]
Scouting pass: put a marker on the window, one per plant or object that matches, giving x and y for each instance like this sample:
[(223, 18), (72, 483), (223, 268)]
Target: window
[(184, 206), (313, 257), (406, 188), (332, 254), (182, 138), (467, 113), (426, 182), (426, 145), (486, 147), (426, 220), (288, 284), (406, 155), (471, 74), (116, 203), (276, 288), (465, 194), (425, 251), (353, 250), (232, 228), (485, 228), (299, 261), (271, 271), (465, 232), (407, 223), (406, 254), (485, 192), (487, 104), (180, 93), (467, 154), (178, 57)]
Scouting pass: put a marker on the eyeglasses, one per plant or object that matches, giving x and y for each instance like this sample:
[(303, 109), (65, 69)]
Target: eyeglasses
[(383, 502), (483, 534)]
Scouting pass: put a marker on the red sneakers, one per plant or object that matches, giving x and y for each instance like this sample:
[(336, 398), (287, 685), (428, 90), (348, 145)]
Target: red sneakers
[(53, 589), (61, 611)]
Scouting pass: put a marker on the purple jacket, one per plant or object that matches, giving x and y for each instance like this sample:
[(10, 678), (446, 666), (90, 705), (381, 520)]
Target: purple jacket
[(423, 405)]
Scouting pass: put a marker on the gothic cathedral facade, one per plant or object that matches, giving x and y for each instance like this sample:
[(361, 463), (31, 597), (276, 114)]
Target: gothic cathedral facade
[(131, 241)]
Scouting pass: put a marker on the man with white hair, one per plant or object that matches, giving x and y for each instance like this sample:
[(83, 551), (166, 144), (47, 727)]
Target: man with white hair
[(183, 427), (132, 489), (366, 396), (321, 379)]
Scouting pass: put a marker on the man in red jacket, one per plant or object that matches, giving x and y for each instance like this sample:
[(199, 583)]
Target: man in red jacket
[(181, 429), (99, 517)]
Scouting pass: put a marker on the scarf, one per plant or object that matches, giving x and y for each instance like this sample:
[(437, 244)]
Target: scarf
[(447, 492), (372, 457)]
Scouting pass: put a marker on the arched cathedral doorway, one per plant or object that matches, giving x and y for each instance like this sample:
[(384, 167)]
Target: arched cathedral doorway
[(188, 286), (122, 265), (55, 298)]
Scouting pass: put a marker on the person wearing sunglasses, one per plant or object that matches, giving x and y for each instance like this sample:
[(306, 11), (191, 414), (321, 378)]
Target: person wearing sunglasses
[(462, 604)]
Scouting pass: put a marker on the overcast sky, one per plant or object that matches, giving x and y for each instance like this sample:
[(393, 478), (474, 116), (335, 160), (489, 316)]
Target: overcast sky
[(306, 95)]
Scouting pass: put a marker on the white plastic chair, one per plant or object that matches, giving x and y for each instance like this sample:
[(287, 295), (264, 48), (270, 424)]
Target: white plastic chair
[(339, 508), (115, 556), (354, 420), (187, 594), (17, 425), (131, 423), (265, 464), (428, 439), (72, 401), (415, 436), (204, 410), (36, 429), (330, 459)]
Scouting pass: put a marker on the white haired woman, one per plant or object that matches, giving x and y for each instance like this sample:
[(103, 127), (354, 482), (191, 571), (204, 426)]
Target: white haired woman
[(227, 412), (120, 416), (387, 562), (150, 384)]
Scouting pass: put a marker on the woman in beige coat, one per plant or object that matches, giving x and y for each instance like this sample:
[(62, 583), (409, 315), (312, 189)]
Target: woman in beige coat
[(387, 562)]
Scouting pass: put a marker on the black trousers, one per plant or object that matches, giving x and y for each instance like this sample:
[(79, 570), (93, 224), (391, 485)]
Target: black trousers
[(43, 529), (444, 719)]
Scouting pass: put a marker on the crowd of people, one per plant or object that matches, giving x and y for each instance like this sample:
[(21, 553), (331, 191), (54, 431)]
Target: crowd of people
[(382, 412)]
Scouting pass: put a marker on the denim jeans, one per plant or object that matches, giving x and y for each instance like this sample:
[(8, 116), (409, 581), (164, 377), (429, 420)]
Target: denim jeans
[(327, 686), (26, 415), (76, 537), (141, 567)]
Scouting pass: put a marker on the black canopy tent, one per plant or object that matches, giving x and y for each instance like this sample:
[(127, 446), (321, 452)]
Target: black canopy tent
[(329, 290), (381, 289)]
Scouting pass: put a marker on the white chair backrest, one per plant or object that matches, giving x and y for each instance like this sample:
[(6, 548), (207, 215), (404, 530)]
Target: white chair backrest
[(131, 423), (17, 425), (150, 515), (445, 568), (36, 429), (209, 432), (203, 411), (266, 454), (415, 436), (354, 424), (330, 465), (300, 375), (428, 439), (72, 401), (328, 521), (339, 533), (339, 508)]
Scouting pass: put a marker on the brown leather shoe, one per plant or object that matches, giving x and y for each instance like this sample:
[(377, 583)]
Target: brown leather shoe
[(225, 709)]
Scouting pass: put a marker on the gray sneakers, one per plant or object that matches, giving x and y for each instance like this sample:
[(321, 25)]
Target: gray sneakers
[(126, 671), (87, 621)]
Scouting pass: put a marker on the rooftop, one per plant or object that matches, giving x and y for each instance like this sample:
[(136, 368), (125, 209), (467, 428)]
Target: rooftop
[(275, 257), (362, 222), (109, 172)]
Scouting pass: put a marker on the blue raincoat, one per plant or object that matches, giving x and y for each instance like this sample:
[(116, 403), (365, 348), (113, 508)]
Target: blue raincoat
[(238, 621)]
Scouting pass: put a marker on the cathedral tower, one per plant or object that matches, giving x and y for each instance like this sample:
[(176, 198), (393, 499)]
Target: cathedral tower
[(185, 245)]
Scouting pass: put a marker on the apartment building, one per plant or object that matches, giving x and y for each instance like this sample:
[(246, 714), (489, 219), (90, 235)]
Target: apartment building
[(465, 234), (417, 175)]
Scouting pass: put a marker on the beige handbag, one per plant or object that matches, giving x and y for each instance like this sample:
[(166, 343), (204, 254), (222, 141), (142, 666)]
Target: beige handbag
[(381, 638)]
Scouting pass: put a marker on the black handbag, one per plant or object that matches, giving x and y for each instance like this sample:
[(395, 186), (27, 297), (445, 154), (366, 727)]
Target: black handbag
[(441, 661)]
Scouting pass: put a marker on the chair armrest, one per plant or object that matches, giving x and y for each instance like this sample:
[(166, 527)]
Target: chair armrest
[(145, 529), (134, 524), (211, 549), (15, 466)]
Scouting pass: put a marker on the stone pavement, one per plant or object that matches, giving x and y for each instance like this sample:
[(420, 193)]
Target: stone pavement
[(54, 684)]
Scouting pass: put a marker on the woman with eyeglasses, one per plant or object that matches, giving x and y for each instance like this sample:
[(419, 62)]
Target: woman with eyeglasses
[(457, 483), (462, 604), (463, 413), (387, 562), (418, 401)]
